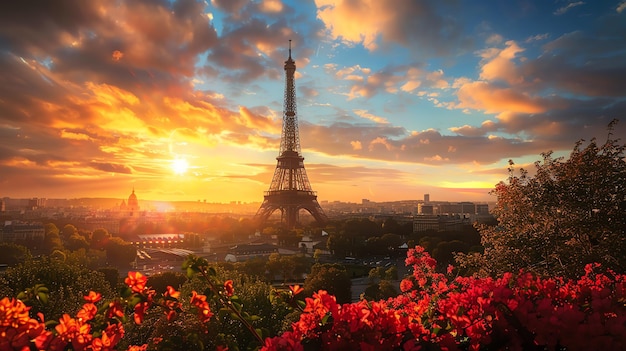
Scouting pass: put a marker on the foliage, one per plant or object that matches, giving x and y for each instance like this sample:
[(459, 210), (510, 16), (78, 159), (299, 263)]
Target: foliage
[(160, 282), (332, 277), (439, 312), (435, 311), (66, 283), (569, 214), (264, 312), (382, 290), (119, 252), (90, 258), (99, 238), (11, 254), (290, 267)]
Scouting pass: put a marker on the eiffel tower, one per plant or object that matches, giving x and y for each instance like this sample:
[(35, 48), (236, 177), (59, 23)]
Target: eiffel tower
[(290, 190)]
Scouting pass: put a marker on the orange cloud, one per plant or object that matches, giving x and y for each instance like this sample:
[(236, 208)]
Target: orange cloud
[(483, 96), (499, 65)]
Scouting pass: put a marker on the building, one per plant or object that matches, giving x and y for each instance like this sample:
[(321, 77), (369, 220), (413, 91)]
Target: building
[(16, 231), (131, 207), (243, 252), (425, 209), (439, 223), (457, 208), (482, 209)]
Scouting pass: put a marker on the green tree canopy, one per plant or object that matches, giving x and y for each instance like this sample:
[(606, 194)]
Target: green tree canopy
[(99, 238), (67, 284), (570, 213), (12, 254), (332, 278), (119, 252), (68, 231)]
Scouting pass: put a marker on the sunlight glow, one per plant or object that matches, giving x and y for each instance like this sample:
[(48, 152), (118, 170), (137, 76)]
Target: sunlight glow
[(180, 166)]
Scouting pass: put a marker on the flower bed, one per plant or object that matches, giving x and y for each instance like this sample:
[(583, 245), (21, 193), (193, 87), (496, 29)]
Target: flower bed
[(435, 311)]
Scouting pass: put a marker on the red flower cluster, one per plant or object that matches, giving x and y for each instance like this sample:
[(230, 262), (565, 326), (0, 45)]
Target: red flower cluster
[(17, 329), (228, 288), (78, 333), (201, 304), (136, 281), (515, 312)]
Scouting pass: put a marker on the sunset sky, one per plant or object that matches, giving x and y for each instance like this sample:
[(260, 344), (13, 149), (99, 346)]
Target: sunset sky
[(182, 100)]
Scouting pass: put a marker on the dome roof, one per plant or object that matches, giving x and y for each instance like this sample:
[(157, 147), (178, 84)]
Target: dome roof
[(132, 203)]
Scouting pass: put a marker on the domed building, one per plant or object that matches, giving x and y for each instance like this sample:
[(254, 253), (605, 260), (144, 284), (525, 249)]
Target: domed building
[(132, 205)]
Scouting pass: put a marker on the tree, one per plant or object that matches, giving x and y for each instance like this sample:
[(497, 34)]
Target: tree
[(332, 278), (13, 254), (99, 238), (570, 213), (76, 242), (119, 252), (379, 291), (159, 282), (67, 284), (68, 231), (52, 240)]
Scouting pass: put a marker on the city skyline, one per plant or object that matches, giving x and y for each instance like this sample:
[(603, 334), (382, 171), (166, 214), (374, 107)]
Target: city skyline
[(182, 100)]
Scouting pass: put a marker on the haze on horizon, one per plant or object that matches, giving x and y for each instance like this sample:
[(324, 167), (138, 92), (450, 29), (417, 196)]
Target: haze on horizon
[(182, 100)]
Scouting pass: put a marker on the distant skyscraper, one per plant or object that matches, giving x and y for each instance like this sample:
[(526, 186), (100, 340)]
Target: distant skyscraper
[(290, 190), (426, 198)]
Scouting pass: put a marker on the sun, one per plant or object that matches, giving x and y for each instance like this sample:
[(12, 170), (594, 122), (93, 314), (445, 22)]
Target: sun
[(180, 166)]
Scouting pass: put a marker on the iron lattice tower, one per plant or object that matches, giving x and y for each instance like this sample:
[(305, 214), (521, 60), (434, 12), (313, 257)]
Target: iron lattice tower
[(290, 190)]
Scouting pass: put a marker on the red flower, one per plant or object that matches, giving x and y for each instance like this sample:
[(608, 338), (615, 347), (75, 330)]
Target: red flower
[(286, 342), (406, 285), (171, 292), (115, 310), (228, 288), (136, 281), (87, 313), (295, 289), (140, 311), (204, 311), (93, 297)]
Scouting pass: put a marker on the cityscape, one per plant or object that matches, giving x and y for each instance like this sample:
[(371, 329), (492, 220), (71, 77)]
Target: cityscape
[(278, 175)]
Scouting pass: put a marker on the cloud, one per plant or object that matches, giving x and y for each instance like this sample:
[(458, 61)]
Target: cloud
[(500, 64), (110, 167), (363, 82), (394, 144), (562, 10), (371, 117), (427, 25)]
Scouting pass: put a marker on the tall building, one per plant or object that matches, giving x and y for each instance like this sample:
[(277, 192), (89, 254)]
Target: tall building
[(290, 190)]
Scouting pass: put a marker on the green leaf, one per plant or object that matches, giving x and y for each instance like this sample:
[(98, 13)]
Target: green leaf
[(43, 297), (51, 324), (125, 292), (254, 318), (211, 272), (135, 300), (191, 272)]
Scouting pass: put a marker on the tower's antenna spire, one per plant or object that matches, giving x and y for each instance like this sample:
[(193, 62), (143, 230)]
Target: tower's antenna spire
[(289, 48)]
